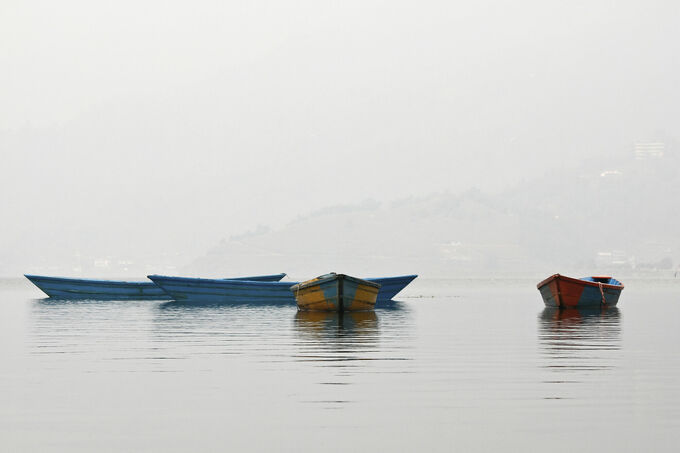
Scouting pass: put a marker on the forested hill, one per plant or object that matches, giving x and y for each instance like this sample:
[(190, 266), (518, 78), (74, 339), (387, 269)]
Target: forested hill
[(604, 216)]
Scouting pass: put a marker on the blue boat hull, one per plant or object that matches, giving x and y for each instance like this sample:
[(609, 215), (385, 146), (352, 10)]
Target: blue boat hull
[(203, 290), (391, 286), (77, 288)]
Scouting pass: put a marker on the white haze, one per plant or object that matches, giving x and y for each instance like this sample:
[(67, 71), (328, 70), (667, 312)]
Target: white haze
[(149, 131)]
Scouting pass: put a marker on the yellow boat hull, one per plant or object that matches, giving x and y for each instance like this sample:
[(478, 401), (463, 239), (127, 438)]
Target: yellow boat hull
[(336, 292)]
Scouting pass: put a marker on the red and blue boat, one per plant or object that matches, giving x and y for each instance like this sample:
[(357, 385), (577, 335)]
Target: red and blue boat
[(567, 292)]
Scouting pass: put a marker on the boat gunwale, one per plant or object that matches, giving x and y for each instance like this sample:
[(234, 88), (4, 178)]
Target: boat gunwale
[(330, 277), (578, 281), (410, 277), (220, 280), (384, 281), (87, 281)]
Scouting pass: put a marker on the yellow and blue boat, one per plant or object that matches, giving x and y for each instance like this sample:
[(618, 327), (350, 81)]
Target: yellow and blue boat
[(220, 291), (336, 292)]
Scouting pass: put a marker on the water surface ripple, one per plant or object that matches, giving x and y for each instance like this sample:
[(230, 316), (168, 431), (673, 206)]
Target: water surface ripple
[(457, 364)]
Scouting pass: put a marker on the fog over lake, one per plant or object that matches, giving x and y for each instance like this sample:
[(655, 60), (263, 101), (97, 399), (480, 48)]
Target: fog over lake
[(142, 137), (481, 145)]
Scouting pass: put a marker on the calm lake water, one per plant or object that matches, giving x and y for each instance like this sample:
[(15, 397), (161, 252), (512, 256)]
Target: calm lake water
[(456, 365)]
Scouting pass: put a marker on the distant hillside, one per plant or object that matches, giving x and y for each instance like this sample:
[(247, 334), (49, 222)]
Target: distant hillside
[(616, 216)]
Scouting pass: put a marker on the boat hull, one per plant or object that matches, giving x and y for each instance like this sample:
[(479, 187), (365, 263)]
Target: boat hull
[(336, 292), (77, 288), (566, 292), (241, 292)]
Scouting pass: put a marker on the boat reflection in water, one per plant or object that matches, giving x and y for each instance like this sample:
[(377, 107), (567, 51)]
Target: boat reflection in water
[(579, 345), (336, 338), (336, 350), (334, 325)]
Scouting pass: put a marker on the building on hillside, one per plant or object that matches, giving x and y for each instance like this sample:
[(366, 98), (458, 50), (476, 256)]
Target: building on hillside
[(649, 150), (613, 258), (610, 173)]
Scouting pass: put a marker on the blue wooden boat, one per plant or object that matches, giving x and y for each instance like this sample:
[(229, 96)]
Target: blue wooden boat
[(336, 292), (78, 288), (205, 290)]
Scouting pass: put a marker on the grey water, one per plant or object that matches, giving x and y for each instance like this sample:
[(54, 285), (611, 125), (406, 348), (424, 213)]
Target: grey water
[(455, 365)]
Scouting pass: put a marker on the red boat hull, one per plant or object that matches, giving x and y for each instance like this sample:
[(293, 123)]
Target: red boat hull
[(566, 292)]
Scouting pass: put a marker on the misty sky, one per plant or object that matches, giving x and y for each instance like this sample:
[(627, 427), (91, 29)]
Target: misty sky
[(164, 125)]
